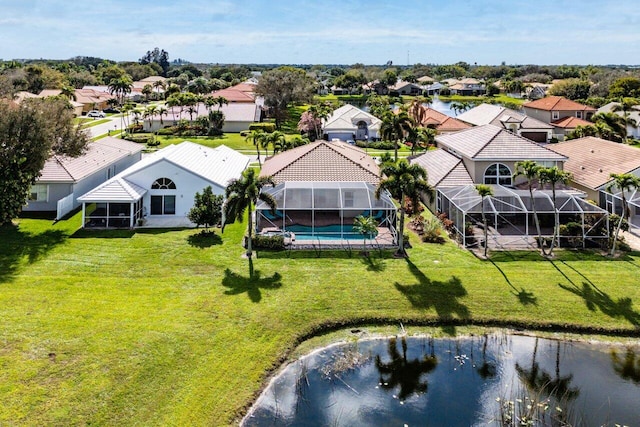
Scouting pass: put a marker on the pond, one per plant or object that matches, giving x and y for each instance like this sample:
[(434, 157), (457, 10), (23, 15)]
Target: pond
[(496, 379)]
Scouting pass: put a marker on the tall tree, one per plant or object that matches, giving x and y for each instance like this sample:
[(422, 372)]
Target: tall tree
[(394, 127), (283, 86), (241, 195), (257, 137), (404, 181), (554, 176), (368, 227), (529, 170), (611, 126), (29, 134), (622, 182), (484, 191), (120, 87), (626, 106)]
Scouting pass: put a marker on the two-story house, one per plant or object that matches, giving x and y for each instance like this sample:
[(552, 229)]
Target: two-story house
[(563, 114)]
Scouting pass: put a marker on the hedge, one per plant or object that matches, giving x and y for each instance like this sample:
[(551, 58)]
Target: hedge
[(267, 127)]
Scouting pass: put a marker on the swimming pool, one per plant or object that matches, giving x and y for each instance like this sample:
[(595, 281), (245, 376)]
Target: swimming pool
[(328, 232)]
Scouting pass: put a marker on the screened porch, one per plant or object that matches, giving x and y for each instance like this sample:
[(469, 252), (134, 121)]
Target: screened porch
[(510, 215), (326, 210)]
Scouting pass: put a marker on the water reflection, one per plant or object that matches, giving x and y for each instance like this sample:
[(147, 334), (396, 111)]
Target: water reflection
[(403, 373), (482, 380)]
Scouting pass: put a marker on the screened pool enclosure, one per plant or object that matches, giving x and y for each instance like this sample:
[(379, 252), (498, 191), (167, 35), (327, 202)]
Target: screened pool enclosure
[(510, 215), (326, 210)]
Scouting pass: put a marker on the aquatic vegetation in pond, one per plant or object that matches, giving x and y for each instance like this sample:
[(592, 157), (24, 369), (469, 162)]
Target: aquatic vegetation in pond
[(492, 379)]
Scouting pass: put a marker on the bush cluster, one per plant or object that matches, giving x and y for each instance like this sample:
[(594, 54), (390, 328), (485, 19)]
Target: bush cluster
[(266, 127), (268, 242)]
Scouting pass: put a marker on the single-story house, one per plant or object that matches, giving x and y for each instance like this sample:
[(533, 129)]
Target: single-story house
[(160, 189), (425, 80), (93, 97), (516, 122), (407, 88), (591, 162), (433, 89), (320, 188), (63, 179), (351, 123), (237, 116), (468, 87)]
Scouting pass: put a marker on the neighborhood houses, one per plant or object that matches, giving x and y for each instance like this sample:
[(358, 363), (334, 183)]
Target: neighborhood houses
[(171, 232)]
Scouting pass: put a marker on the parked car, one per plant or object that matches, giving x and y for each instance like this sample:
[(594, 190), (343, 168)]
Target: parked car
[(96, 114), (111, 111)]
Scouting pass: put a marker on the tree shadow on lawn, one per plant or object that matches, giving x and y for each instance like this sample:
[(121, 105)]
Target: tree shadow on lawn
[(594, 299), (204, 239), (525, 297), (121, 233), (440, 296), (17, 244), (374, 263), (252, 284)]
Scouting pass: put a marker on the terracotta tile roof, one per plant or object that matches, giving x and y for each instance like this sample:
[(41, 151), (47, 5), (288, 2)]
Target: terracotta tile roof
[(557, 103), (99, 155), (441, 121), (443, 169), (592, 160), (570, 123), (490, 142), (322, 161), (426, 79), (451, 124), (234, 95)]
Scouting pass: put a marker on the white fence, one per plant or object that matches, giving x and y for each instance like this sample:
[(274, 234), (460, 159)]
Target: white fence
[(65, 206)]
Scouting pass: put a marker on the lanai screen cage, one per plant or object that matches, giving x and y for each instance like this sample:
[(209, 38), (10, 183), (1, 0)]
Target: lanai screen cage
[(325, 209), (614, 205), (509, 212)]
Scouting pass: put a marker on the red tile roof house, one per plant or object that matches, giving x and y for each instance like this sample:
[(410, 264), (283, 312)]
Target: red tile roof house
[(441, 122), (321, 187), (591, 161), (237, 116), (563, 114), (64, 179)]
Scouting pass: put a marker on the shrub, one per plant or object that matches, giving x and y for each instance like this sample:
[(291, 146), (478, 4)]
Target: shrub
[(447, 224), (170, 130), (140, 139), (268, 242), (445, 91), (432, 231), (266, 127), (244, 133), (380, 145)]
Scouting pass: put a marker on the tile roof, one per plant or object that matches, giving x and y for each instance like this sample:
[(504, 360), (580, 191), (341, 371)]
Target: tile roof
[(322, 161), (99, 155), (233, 112), (488, 113), (490, 142), (557, 103), (235, 95), (443, 169), (347, 117), (592, 160), (570, 123), (426, 79)]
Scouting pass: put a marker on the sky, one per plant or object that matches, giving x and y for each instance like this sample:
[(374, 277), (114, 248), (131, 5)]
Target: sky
[(486, 32)]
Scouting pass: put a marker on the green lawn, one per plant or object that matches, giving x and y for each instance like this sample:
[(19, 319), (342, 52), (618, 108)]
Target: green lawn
[(160, 327)]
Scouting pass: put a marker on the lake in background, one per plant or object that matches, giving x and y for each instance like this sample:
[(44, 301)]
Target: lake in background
[(479, 380)]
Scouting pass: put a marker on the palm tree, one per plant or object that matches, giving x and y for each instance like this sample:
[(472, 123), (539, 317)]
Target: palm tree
[(530, 169), (611, 126), (394, 127), (172, 102), (147, 90), (162, 111), (157, 85), (149, 112), (554, 176), (367, 226), (484, 191), (623, 182), (241, 195), (626, 105), (68, 92), (120, 87), (276, 139), (257, 137), (220, 101), (403, 180)]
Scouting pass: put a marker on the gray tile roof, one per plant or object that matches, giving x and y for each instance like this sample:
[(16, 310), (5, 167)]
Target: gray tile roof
[(490, 142), (99, 155), (488, 113), (443, 169)]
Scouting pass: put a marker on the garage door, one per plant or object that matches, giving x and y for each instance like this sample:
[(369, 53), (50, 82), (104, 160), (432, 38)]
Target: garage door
[(535, 136)]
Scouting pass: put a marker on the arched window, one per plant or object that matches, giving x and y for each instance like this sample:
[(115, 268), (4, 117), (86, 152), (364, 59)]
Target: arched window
[(163, 184), (497, 173)]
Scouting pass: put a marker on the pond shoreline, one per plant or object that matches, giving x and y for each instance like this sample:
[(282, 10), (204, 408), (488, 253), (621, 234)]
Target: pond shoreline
[(353, 333)]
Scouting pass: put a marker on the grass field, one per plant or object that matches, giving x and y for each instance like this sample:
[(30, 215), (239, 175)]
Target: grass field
[(164, 327)]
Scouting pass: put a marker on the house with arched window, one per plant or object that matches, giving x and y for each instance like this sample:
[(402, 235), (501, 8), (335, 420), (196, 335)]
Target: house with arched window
[(159, 190)]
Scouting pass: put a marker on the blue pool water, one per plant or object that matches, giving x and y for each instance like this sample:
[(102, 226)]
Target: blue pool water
[(329, 232)]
